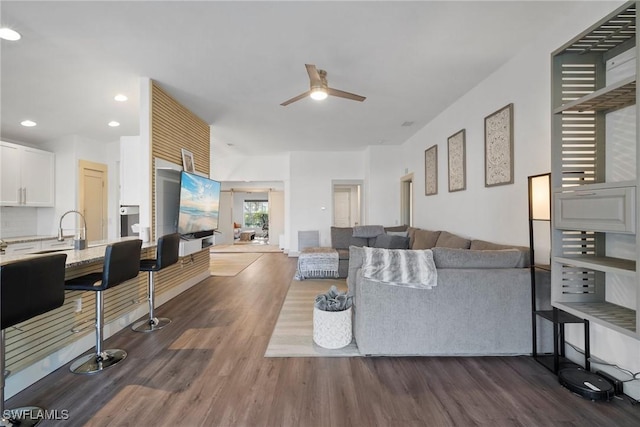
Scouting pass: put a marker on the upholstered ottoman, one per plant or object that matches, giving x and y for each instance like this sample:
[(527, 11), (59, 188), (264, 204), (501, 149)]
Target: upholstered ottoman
[(317, 263)]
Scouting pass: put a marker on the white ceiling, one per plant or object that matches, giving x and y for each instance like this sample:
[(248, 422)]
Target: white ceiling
[(233, 63)]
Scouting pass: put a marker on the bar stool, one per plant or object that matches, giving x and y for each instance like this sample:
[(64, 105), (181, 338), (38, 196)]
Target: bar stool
[(27, 289), (166, 255), (121, 263)]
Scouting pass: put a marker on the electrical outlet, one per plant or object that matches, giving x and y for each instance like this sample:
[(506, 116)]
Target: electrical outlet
[(618, 388), (78, 303)]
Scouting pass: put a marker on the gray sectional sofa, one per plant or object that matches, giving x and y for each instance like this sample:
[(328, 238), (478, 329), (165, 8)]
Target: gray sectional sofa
[(342, 239), (481, 304)]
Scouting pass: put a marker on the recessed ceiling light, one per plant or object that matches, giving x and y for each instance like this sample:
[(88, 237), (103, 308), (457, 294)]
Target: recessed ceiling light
[(120, 97), (114, 124), (28, 123), (9, 34)]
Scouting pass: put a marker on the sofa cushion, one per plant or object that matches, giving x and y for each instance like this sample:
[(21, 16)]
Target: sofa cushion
[(398, 233), (448, 240), (342, 238), (367, 231), (484, 245), (424, 239), (411, 231), (466, 258), (397, 228), (388, 241)]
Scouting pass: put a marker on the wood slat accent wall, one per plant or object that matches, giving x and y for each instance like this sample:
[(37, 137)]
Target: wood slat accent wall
[(174, 127)]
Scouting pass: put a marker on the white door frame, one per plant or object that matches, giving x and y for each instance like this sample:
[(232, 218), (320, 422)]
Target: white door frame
[(406, 199), (361, 217)]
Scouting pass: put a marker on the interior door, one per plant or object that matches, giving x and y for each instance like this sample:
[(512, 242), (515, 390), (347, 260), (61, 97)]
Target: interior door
[(225, 219), (276, 217), (342, 207), (93, 198)]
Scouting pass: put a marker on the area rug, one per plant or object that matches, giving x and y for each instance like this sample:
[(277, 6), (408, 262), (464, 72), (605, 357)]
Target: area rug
[(293, 333), (244, 248), (230, 264)]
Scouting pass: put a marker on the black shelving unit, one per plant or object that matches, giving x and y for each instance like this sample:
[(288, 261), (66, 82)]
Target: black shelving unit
[(554, 362)]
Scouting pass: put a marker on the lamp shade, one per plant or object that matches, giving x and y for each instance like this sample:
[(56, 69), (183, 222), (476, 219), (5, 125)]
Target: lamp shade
[(540, 197)]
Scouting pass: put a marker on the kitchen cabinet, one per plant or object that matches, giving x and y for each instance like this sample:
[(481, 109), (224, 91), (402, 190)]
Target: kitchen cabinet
[(27, 176), (130, 177)]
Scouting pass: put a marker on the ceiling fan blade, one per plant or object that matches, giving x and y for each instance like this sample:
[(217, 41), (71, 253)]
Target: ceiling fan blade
[(347, 95), (314, 76), (296, 98)]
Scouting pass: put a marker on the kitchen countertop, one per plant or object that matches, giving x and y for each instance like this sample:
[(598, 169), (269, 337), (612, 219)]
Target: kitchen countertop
[(94, 253)]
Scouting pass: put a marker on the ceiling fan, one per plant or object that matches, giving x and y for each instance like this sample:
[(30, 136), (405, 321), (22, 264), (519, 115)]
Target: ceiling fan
[(319, 88)]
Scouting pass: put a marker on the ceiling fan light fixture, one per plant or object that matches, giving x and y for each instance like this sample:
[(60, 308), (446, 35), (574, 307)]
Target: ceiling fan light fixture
[(9, 34), (318, 93)]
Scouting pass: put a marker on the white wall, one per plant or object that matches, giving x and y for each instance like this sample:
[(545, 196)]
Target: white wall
[(500, 213), (383, 170), (68, 151), (310, 189)]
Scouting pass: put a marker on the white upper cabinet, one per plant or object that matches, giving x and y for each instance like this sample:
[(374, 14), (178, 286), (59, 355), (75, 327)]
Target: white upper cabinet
[(130, 176), (27, 176)]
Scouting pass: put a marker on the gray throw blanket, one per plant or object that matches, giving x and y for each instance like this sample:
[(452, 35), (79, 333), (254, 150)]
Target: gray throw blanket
[(367, 230), (400, 267)]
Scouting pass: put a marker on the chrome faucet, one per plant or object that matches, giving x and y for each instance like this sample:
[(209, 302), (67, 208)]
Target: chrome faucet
[(80, 242)]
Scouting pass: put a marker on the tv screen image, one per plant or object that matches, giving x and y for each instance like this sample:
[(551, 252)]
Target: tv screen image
[(199, 205)]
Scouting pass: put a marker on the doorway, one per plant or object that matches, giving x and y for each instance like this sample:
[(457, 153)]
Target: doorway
[(92, 198), (406, 200), (347, 204)]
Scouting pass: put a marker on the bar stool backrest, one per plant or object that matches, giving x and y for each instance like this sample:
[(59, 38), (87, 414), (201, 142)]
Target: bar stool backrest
[(121, 262), (168, 246), (31, 287)]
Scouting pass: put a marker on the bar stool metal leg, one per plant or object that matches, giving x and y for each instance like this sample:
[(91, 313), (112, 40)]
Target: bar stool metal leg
[(152, 323), (23, 416), (101, 359)]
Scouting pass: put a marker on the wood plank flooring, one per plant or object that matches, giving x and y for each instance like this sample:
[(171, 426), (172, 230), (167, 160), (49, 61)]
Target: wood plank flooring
[(207, 369)]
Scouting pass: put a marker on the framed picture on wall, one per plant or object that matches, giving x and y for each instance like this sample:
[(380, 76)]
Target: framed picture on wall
[(187, 161), (457, 158), (431, 171), (498, 147)]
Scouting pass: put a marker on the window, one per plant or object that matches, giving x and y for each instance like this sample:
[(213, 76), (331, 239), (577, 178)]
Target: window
[(256, 213)]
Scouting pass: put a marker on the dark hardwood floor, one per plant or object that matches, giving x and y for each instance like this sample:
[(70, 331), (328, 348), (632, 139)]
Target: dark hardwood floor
[(207, 369)]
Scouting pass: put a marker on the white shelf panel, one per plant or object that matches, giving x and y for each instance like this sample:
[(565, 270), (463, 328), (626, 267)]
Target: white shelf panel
[(613, 316), (610, 98), (620, 266)]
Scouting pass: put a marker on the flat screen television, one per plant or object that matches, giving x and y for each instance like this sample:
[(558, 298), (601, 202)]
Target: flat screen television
[(199, 206)]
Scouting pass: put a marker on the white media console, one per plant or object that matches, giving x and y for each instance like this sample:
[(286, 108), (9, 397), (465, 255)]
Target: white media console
[(188, 247)]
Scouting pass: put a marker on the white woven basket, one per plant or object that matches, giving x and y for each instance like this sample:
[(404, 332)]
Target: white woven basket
[(332, 329)]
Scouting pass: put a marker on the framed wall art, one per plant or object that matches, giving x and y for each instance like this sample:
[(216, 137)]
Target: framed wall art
[(187, 161), (431, 171), (498, 147), (457, 158)]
